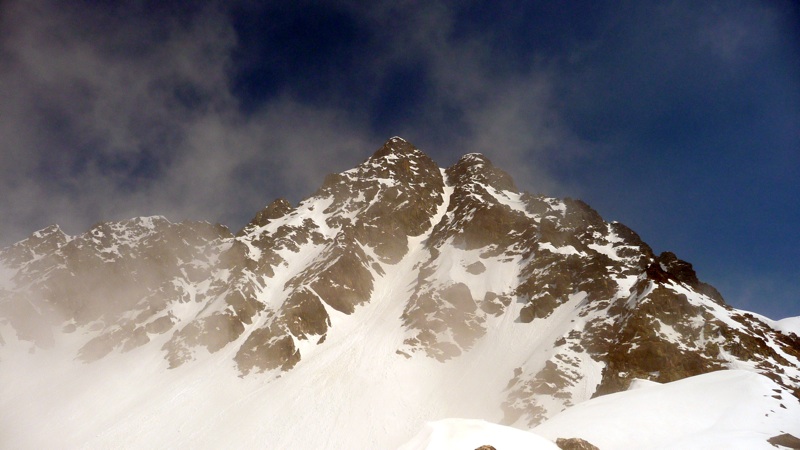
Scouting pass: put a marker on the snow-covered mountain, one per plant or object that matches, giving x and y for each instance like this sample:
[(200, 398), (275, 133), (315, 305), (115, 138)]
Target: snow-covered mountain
[(396, 294)]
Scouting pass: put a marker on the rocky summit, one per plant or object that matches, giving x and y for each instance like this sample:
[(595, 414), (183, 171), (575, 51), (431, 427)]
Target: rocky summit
[(532, 303)]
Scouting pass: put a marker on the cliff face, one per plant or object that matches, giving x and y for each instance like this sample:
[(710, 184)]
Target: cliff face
[(462, 265)]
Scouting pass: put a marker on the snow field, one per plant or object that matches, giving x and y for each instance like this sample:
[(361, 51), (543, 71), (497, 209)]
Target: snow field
[(733, 409)]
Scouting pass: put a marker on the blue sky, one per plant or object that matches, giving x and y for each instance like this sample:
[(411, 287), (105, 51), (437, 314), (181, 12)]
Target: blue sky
[(680, 119)]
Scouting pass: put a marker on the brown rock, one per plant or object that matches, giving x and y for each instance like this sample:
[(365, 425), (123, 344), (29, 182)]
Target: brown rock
[(784, 440), (574, 444)]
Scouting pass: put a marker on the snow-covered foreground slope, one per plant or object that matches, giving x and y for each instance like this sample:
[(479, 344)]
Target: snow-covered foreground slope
[(457, 434), (120, 405), (731, 409), (357, 393)]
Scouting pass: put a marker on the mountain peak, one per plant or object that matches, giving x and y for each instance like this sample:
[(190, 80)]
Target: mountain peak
[(397, 147), (475, 158), (53, 229), (39, 243), (277, 209), (475, 167)]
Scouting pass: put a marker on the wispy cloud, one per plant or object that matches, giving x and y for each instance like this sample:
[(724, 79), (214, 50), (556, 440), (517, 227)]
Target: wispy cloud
[(140, 119), (474, 103), (138, 116)]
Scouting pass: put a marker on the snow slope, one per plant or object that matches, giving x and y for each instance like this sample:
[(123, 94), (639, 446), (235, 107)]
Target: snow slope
[(458, 434), (353, 392), (732, 409), (788, 325)]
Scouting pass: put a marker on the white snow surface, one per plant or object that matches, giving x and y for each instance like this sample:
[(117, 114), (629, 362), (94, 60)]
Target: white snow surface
[(352, 395), (788, 325), (460, 434), (731, 409)]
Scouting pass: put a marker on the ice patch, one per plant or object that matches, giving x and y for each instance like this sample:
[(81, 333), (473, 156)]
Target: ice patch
[(565, 250)]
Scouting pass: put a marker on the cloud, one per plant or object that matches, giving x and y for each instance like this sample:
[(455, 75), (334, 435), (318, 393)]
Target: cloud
[(84, 118), (137, 116), (113, 113), (473, 101)]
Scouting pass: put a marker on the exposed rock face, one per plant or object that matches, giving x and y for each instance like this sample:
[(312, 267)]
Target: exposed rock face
[(464, 252), (785, 440), (99, 278)]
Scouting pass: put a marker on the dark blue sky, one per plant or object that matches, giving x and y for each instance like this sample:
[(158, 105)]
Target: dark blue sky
[(680, 119)]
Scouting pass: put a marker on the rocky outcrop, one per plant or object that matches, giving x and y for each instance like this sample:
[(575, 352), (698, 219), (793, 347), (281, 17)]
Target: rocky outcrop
[(785, 440), (574, 444), (99, 278)]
